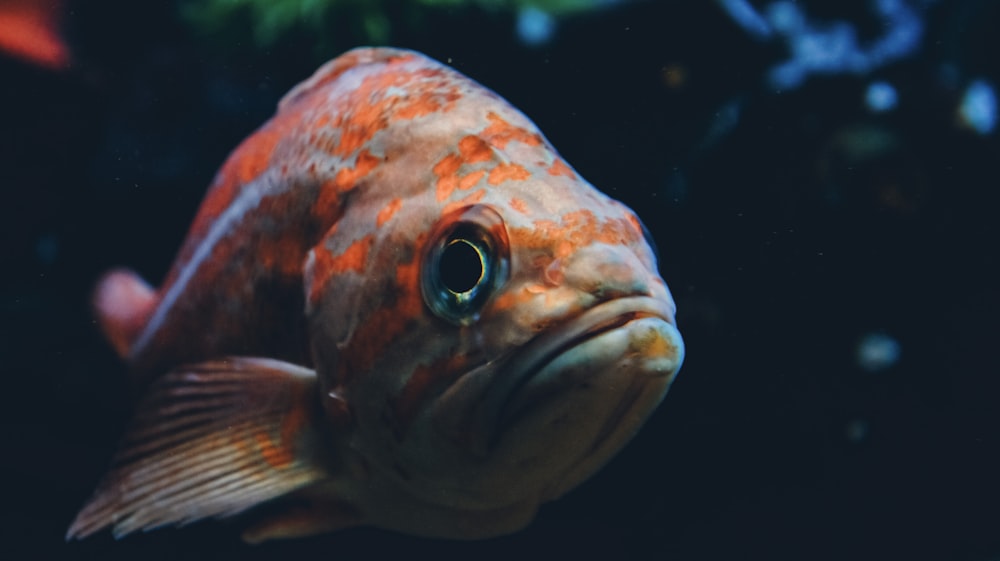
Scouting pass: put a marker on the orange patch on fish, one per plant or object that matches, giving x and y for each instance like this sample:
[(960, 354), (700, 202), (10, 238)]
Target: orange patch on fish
[(372, 107), (576, 229), (321, 122), (332, 71), (519, 205), (420, 106), (353, 259), (447, 170), (500, 132), (388, 211), (384, 325), (559, 167), (471, 199), (470, 180), (274, 453), (329, 197), (507, 172), (471, 149), (474, 149), (348, 177)]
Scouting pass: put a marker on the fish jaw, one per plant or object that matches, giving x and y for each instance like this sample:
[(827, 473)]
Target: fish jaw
[(616, 378), (516, 432), (568, 400)]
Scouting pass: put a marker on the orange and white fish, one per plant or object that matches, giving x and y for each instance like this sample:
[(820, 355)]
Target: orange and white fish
[(397, 306)]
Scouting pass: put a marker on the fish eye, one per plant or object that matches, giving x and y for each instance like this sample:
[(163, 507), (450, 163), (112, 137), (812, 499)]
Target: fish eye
[(465, 265)]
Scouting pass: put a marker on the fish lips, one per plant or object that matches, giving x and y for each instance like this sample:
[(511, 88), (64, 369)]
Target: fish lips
[(628, 341)]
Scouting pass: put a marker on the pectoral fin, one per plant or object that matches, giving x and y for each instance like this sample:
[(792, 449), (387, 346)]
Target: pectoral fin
[(210, 440)]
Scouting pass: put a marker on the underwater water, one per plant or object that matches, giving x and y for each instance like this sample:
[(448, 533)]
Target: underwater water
[(820, 179)]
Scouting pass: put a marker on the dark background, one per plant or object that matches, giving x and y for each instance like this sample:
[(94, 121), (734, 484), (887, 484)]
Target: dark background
[(784, 240)]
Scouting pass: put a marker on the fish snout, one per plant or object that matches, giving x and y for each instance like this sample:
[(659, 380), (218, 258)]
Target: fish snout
[(606, 272)]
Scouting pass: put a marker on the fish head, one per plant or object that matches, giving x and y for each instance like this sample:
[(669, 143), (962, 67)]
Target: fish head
[(493, 329), (490, 357)]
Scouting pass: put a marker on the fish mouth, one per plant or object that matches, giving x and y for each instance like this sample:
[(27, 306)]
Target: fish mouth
[(631, 337)]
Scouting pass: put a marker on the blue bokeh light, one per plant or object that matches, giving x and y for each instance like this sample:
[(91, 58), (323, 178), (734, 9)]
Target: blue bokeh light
[(535, 27), (747, 17), (878, 351), (978, 109), (830, 47), (881, 96)]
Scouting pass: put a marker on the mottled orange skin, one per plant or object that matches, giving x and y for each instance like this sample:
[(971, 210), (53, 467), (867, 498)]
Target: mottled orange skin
[(310, 248), (247, 297)]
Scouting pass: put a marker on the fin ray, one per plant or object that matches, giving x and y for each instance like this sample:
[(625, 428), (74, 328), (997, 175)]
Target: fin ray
[(209, 440)]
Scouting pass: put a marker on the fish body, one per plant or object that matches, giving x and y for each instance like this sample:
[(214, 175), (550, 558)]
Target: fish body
[(396, 306)]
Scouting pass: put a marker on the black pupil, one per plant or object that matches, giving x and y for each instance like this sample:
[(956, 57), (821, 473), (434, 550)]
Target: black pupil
[(461, 266)]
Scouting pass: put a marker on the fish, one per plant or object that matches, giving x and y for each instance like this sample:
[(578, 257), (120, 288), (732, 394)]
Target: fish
[(397, 306), (30, 31)]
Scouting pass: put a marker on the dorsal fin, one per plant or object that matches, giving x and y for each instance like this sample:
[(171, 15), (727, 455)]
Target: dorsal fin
[(210, 440), (123, 303)]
